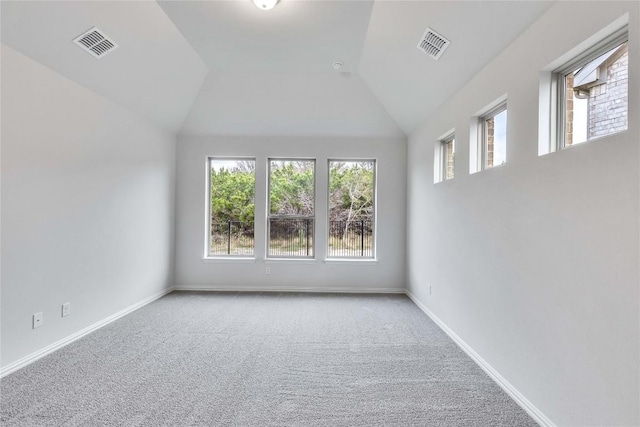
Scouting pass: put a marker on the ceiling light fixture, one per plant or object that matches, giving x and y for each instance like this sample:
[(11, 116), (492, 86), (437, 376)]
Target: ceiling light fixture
[(265, 4)]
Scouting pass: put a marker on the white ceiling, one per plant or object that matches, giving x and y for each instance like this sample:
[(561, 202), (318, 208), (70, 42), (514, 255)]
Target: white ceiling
[(295, 36), (410, 84), (331, 104), (269, 72), (154, 72)]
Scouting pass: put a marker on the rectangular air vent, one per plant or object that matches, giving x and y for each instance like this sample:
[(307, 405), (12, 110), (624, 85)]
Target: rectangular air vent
[(433, 44), (95, 42)]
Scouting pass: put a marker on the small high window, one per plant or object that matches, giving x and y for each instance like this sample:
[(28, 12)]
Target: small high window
[(493, 137), (231, 207), (444, 157), (447, 157), (592, 93)]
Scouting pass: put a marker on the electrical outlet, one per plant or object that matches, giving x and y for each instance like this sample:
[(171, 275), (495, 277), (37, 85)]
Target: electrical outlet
[(267, 270), (66, 309), (38, 320), (429, 289)]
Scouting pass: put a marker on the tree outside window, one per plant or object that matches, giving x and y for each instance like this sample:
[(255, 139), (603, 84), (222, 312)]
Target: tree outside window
[(232, 208), (351, 208)]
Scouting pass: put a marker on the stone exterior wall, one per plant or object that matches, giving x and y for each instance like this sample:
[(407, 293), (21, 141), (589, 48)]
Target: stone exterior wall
[(490, 124), (449, 160), (568, 132), (608, 103)]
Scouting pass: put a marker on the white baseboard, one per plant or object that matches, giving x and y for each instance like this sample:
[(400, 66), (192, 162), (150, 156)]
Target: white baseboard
[(522, 401), (345, 290), (21, 363)]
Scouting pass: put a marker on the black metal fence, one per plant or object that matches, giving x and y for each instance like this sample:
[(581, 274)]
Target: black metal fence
[(351, 238), (232, 238), (291, 237)]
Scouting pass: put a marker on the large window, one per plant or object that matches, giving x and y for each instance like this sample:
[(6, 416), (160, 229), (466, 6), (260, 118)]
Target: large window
[(291, 208), (592, 93), (351, 208), (231, 207)]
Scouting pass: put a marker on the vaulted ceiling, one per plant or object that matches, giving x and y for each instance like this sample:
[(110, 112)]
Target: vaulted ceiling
[(154, 72), (226, 67)]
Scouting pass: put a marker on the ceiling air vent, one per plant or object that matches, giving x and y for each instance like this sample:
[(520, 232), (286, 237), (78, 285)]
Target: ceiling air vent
[(433, 44), (95, 42)]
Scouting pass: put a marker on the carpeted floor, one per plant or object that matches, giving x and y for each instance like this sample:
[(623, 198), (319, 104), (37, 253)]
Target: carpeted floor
[(261, 359)]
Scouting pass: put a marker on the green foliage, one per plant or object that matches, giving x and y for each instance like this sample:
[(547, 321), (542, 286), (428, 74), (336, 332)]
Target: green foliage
[(232, 196), (351, 187), (292, 188)]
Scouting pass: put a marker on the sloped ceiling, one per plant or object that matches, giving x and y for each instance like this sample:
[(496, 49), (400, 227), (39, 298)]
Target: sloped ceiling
[(410, 84), (226, 67), (271, 71), (332, 104), (154, 71), (295, 36)]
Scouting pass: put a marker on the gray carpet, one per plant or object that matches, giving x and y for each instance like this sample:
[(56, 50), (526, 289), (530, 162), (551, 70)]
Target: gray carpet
[(260, 359)]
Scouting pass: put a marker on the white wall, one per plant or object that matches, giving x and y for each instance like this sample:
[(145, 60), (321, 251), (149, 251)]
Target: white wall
[(386, 274), (154, 62), (292, 103), (87, 206), (535, 264)]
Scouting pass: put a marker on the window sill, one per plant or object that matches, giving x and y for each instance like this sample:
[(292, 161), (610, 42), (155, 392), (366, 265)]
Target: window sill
[(290, 260), (351, 261), (229, 260)]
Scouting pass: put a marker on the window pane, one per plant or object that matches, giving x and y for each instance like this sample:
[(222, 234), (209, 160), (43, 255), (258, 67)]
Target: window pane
[(291, 237), (351, 208), (232, 190), (291, 208), (596, 97), (496, 139), (449, 159)]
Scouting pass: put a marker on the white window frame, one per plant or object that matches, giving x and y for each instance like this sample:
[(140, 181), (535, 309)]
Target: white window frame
[(268, 256), (207, 238), (444, 167), (483, 143), (558, 86), (375, 209)]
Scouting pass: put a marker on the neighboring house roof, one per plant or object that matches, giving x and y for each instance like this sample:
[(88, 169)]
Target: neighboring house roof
[(591, 72)]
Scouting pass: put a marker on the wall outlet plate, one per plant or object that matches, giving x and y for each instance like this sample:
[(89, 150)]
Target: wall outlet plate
[(38, 320), (66, 309), (267, 270)]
